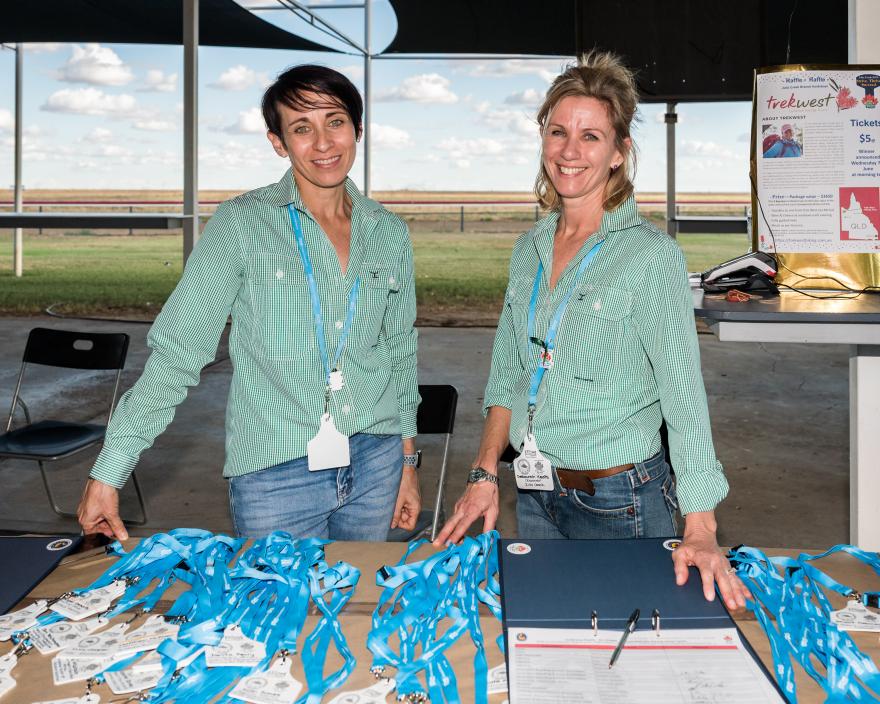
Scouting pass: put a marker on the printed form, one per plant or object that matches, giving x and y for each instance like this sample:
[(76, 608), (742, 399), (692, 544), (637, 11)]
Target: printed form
[(569, 666)]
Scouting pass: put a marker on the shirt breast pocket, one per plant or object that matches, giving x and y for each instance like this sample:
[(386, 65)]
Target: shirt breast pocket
[(517, 299), (284, 327), (598, 327), (379, 283)]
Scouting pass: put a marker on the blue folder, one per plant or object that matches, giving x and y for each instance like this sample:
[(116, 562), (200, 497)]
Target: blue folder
[(559, 583), (26, 560)]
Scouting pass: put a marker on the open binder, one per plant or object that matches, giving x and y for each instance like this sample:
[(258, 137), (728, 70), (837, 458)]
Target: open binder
[(566, 602)]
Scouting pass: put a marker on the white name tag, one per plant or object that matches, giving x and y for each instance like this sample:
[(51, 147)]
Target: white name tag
[(126, 681), (52, 638), (235, 650), (375, 694), (274, 686), (855, 616), (149, 636), (66, 670), (20, 620), (532, 469), (7, 664), (329, 448), (90, 603), (497, 681), (103, 646)]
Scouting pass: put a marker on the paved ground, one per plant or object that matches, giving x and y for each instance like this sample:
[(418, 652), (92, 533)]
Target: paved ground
[(779, 416)]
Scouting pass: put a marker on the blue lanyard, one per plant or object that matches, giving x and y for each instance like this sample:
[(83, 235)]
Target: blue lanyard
[(790, 591), (316, 299), (550, 338)]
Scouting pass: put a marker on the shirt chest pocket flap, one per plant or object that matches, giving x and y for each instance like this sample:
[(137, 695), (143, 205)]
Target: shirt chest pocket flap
[(282, 304), (611, 304), (379, 282)]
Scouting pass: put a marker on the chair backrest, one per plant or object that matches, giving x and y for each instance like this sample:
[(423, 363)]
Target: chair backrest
[(437, 410), (76, 350)]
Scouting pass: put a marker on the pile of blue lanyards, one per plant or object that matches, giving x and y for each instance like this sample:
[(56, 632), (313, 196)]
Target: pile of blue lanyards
[(266, 593), (794, 611), (425, 607)]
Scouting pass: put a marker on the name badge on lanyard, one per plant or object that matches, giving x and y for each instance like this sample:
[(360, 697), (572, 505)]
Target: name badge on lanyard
[(329, 448), (532, 469)]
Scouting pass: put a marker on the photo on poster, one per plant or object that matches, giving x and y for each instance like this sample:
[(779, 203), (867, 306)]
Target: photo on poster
[(859, 213), (786, 140)]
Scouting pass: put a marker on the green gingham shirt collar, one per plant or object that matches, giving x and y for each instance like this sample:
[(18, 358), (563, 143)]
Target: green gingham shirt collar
[(286, 193)]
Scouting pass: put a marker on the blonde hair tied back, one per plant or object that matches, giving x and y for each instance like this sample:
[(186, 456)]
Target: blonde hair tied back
[(601, 75)]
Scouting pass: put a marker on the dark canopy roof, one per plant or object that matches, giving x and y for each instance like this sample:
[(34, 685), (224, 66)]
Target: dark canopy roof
[(221, 23), (682, 49)]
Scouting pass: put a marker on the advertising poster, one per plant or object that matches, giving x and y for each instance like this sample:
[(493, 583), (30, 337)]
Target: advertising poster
[(816, 170)]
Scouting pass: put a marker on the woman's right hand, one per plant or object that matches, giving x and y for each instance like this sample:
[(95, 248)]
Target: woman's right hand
[(479, 499), (98, 511)]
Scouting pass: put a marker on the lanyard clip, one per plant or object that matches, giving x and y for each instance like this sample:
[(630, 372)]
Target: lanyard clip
[(531, 419), (23, 648), (327, 400), (854, 596), (60, 597)]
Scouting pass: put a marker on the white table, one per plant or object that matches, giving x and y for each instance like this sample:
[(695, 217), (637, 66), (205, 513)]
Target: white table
[(793, 317)]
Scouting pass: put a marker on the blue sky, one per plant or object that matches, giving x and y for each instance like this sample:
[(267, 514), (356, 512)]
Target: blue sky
[(109, 116)]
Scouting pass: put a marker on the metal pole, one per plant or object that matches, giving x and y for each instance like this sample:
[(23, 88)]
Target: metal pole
[(18, 236), (190, 126), (368, 94), (670, 118)]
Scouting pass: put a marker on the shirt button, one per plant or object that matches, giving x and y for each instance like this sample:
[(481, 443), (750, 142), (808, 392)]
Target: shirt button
[(346, 408), (391, 280), (279, 274), (597, 305), (338, 324)]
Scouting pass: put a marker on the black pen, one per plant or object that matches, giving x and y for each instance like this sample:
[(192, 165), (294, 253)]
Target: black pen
[(629, 628)]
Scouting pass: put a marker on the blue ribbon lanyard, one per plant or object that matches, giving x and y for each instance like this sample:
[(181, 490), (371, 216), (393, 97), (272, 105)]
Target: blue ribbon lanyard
[(316, 304), (790, 590), (550, 338)]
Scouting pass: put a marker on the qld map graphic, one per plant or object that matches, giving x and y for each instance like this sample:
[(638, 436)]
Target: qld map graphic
[(859, 213)]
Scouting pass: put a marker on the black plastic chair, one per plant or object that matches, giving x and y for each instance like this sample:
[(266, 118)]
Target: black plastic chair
[(50, 440), (436, 416)]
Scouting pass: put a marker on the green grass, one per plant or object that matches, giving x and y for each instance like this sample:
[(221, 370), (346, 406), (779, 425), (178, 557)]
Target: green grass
[(85, 273)]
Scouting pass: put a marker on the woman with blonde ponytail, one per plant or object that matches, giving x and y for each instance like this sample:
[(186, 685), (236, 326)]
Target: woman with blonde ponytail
[(596, 348)]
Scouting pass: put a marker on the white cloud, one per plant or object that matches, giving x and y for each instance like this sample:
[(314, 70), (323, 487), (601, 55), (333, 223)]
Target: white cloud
[(99, 134), (462, 163), (422, 88), (353, 73), (7, 122), (529, 96), (89, 101), (698, 148), (95, 64), (112, 150), (517, 121), (42, 47), (233, 155), (460, 149), (159, 82), (389, 137), (546, 69), (239, 77), (744, 137), (155, 125), (249, 122)]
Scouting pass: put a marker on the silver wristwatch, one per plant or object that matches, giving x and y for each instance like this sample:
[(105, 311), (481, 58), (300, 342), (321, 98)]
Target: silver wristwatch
[(478, 474), (414, 461)]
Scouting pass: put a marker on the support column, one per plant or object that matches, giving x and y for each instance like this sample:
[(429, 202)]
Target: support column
[(864, 446), (18, 235), (670, 118), (864, 18), (191, 228), (368, 94)]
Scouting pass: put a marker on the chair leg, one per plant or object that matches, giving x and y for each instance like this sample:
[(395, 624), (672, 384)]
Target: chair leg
[(52, 501), (140, 497)]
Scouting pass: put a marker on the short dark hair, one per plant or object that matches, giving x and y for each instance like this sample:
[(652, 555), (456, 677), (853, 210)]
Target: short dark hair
[(289, 87)]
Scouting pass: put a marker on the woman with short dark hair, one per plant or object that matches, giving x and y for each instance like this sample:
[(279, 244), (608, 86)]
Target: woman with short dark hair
[(318, 280)]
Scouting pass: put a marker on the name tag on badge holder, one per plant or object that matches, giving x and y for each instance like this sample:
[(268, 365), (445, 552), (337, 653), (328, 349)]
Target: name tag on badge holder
[(532, 469), (329, 448), (546, 358)]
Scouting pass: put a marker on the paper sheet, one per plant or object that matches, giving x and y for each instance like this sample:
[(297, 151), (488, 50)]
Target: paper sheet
[(570, 666)]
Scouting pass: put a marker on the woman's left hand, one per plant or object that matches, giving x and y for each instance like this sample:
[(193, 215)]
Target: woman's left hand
[(699, 548), (409, 501)]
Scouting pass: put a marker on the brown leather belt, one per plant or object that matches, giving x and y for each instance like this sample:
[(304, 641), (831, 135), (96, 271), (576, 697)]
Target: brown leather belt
[(582, 480)]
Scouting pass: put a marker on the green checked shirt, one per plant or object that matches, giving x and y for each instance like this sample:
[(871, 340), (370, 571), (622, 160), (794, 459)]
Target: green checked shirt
[(246, 263), (626, 356)]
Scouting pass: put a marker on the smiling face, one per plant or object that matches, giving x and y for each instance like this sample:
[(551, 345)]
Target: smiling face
[(579, 150), (319, 141)]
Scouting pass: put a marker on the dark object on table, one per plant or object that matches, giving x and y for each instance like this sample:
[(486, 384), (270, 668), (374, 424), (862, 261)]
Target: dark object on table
[(750, 272), (50, 440), (26, 560)]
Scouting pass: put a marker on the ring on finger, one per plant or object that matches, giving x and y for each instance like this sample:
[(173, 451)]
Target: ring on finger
[(730, 570)]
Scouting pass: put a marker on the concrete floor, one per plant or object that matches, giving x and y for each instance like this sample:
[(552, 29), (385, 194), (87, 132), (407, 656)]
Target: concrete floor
[(779, 417)]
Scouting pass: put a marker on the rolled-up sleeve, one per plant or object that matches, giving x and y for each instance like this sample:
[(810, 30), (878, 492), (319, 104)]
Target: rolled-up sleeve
[(402, 338), (664, 319), (183, 340)]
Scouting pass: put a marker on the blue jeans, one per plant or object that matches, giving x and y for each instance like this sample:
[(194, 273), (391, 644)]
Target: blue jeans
[(639, 503), (349, 503)]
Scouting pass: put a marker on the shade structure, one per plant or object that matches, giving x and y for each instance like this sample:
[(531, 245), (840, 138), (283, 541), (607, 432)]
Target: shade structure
[(683, 50), (221, 23)]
